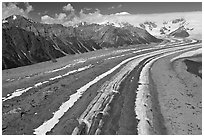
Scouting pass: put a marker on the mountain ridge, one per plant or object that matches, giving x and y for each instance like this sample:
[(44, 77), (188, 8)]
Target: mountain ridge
[(27, 42), (167, 28)]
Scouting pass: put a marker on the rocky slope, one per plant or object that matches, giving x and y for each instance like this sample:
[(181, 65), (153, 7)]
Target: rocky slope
[(180, 32), (176, 28), (26, 42)]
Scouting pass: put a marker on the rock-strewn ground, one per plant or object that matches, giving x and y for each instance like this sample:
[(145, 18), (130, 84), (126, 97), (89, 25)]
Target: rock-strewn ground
[(105, 92), (179, 95)]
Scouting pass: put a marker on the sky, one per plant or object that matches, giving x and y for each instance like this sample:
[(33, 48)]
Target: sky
[(36, 10), (71, 13)]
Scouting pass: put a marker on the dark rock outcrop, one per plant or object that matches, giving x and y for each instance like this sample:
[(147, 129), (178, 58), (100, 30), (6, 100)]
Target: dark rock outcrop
[(149, 24), (180, 32), (26, 42)]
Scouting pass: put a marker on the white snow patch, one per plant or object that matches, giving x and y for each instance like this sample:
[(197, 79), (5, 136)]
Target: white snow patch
[(8, 95), (17, 93), (143, 90), (94, 48), (55, 70), (4, 21), (14, 17), (10, 80), (48, 125), (40, 83), (57, 77), (108, 88), (13, 111), (116, 56)]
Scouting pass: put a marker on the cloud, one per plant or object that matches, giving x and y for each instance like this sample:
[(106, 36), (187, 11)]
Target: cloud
[(84, 15), (193, 18), (122, 13), (71, 19), (11, 8), (58, 19), (69, 7), (29, 8), (90, 17), (85, 10), (61, 18), (135, 19), (47, 19)]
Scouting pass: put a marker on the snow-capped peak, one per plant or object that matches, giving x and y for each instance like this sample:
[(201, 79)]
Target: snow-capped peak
[(163, 28), (110, 23)]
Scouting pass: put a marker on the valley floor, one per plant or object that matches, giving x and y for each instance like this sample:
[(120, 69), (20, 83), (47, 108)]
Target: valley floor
[(180, 96), (128, 91)]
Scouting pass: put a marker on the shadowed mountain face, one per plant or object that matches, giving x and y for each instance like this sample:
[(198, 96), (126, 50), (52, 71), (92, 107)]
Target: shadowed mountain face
[(180, 32), (26, 42)]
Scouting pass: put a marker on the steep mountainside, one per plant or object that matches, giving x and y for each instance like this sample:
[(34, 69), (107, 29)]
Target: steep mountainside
[(168, 28), (180, 32), (26, 42)]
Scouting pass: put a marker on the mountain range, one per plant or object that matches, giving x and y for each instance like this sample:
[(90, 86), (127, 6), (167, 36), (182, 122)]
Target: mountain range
[(26, 42), (175, 27)]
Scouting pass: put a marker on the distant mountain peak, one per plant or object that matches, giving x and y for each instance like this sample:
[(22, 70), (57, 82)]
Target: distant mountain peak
[(180, 32), (25, 42), (166, 28)]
